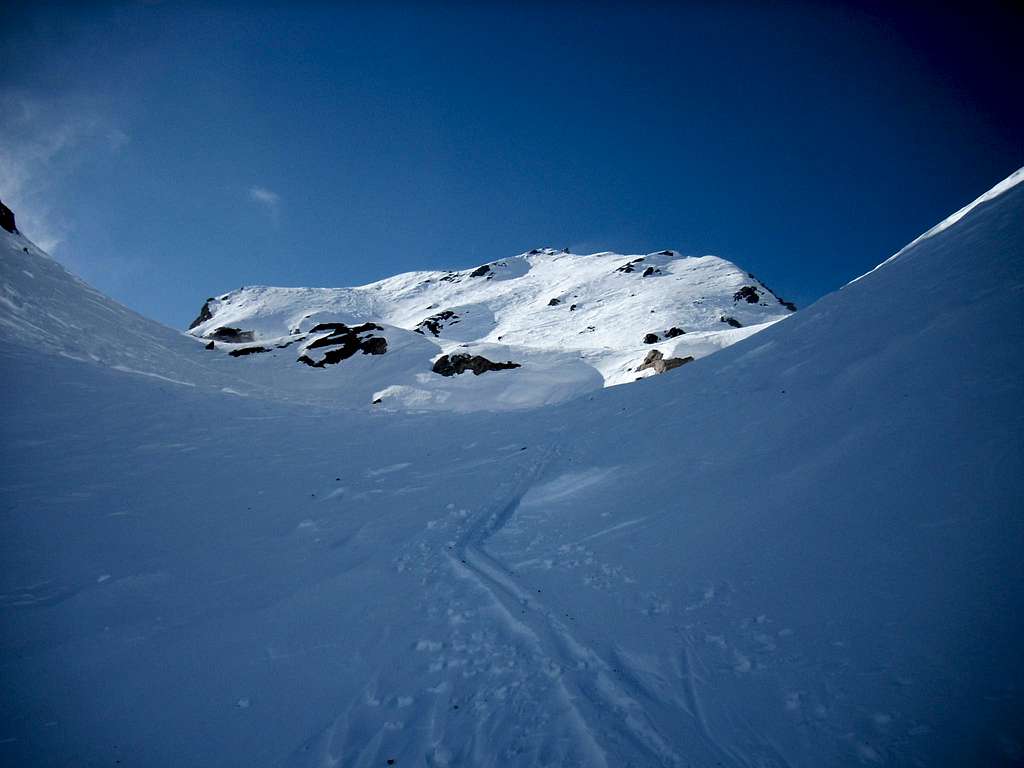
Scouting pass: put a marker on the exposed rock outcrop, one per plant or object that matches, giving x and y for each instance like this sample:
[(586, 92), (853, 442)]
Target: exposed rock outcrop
[(204, 314), (747, 293), (342, 342), (672, 332), (554, 302), (656, 359), (7, 219), (480, 271), (230, 335), (630, 266), (435, 323), (787, 304), (731, 321), (247, 351), (453, 365), (650, 338)]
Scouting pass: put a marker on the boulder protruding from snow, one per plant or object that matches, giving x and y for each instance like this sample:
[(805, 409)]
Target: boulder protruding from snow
[(453, 365), (656, 359), (243, 351), (651, 338), (231, 335), (731, 321)]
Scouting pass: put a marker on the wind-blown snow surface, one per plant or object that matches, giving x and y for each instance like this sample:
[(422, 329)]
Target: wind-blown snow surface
[(804, 550)]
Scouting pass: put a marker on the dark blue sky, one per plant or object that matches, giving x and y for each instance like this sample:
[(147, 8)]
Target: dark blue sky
[(170, 151)]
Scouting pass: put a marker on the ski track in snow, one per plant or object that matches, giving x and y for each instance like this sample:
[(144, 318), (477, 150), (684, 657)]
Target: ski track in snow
[(585, 680)]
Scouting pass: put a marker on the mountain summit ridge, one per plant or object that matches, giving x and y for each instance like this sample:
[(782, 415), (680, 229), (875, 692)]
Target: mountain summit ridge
[(570, 322)]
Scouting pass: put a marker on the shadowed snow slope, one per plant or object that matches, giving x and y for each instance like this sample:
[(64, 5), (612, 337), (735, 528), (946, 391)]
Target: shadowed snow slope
[(804, 550)]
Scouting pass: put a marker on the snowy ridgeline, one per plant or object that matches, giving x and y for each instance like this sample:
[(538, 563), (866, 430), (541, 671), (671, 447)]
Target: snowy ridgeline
[(545, 326), (802, 550), (564, 324)]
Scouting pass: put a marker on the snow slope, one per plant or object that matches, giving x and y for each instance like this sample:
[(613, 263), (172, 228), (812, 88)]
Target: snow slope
[(803, 552), (574, 323), (46, 309)]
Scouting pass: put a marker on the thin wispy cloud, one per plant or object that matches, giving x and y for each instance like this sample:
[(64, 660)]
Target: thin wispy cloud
[(41, 143), (268, 199)]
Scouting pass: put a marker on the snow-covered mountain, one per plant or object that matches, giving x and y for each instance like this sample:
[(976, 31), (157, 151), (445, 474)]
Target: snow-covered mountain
[(805, 551), (561, 324)]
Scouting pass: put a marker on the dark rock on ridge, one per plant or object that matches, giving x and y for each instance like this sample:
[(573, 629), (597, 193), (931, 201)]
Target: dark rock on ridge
[(650, 338), (787, 304), (731, 321), (7, 219), (452, 365), (748, 293), (629, 266), (204, 314), (672, 332)]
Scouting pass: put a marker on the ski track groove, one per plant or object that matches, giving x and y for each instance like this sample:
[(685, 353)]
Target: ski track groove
[(555, 642)]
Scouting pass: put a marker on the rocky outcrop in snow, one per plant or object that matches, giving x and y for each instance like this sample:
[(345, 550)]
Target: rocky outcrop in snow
[(341, 342), (657, 362), (453, 365), (7, 219)]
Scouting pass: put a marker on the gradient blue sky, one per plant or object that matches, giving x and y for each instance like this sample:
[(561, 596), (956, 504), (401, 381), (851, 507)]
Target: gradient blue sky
[(168, 151)]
